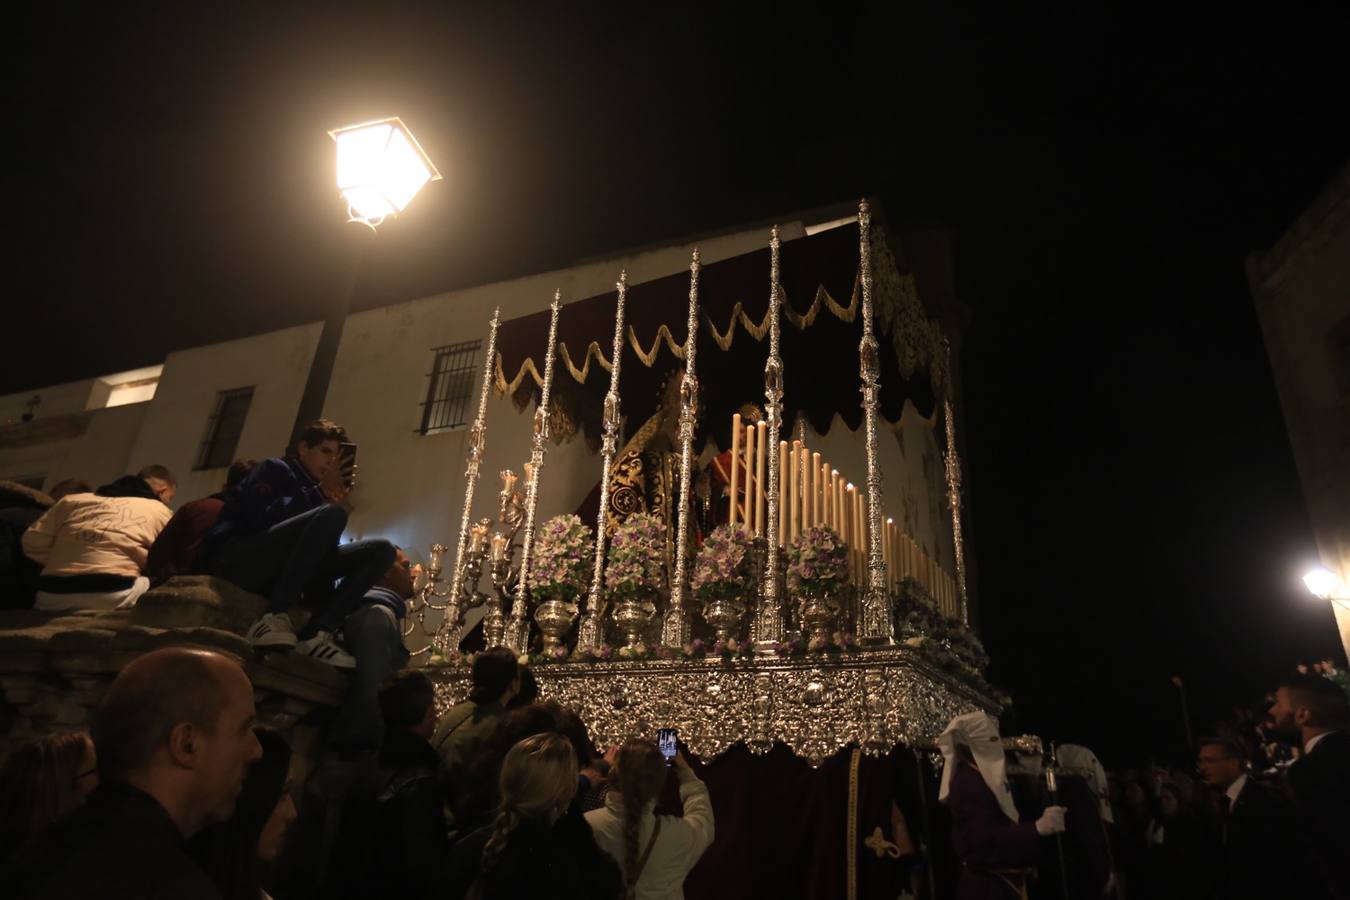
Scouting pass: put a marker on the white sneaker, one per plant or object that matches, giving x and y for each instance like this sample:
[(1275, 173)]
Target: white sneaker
[(274, 631), (323, 648)]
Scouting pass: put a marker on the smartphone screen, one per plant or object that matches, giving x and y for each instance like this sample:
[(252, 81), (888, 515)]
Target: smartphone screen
[(666, 739), (346, 461)]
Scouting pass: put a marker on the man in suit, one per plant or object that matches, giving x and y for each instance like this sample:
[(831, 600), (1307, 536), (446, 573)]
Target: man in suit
[(1317, 712), (1257, 846)]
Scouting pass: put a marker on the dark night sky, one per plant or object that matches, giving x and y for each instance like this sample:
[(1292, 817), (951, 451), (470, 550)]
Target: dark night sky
[(1136, 513)]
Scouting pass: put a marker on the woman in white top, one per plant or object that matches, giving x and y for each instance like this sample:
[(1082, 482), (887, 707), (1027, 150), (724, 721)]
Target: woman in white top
[(655, 853)]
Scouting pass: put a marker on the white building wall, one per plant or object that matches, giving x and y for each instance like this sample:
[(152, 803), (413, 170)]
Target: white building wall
[(275, 364)]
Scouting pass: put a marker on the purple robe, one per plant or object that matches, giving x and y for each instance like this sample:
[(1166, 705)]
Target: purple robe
[(984, 838)]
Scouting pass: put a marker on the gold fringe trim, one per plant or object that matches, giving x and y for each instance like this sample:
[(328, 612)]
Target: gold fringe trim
[(724, 339)]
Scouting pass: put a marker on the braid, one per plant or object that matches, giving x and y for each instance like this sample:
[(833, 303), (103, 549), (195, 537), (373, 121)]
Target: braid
[(506, 822), (641, 773), (632, 822)]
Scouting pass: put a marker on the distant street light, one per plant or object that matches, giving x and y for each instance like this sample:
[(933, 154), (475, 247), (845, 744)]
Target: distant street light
[(380, 168), (1324, 583)]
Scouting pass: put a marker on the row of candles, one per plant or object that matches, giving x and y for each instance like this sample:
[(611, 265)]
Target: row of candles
[(815, 493)]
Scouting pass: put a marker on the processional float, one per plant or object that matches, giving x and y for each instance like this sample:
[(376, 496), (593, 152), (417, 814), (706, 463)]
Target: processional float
[(829, 625)]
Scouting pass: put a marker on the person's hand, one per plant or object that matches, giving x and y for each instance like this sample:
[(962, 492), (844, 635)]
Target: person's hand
[(1051, 821), (681, 762), (611, 755), (592, 774), (333, 486)]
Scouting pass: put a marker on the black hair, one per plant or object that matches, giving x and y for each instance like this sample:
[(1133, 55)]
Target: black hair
[(1328, 704), (405, 698), (493, 672)]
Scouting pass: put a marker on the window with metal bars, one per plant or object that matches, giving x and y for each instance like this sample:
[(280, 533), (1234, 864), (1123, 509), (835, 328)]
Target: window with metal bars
[(450, 384), (224, 428)]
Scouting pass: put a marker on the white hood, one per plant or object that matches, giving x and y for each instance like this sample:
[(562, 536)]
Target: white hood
[(979, 732)]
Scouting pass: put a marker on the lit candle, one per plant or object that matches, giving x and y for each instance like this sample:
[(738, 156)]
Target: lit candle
[(886, 549), (508, 482), (498, 546), (761, 429), (749, 508), (735, 466)]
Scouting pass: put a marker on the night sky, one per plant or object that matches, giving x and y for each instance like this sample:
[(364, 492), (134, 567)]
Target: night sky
[(1134, 507)]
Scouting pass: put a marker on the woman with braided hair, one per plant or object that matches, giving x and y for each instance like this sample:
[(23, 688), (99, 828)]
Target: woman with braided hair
[(524, 852), (654, 852)]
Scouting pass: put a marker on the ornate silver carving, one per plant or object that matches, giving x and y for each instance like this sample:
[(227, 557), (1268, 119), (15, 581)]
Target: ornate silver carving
[(953, 472), (448, 634), (517, 633), (767, 627), (591, 633), (676, 627), (816, 706), (876, 626)]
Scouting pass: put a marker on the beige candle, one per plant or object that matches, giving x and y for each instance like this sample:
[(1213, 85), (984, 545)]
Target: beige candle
[(748, 510), (782, 493), (816, 485), (761, 429), (886, 550), (794, 491), (735, 466), (859, 530), (838, 482), (850, 500)]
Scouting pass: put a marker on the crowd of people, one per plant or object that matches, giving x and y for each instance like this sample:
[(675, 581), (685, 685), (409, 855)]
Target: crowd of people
[(176, 791), (1229, 827)]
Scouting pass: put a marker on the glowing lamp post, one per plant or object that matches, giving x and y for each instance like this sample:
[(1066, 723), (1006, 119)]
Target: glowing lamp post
[(1326, 584), (380, 168)]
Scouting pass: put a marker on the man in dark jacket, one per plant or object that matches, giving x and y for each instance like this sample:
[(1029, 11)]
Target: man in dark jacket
[(176, 550), (1316, 711), (279, 534), (392, 841), (1257, 844), (174, 739)]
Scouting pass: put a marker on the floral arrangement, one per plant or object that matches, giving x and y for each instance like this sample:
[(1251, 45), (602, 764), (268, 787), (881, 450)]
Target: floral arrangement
[(636, 564), (561, 550), (696, 649), (817, 561), (725, 568)]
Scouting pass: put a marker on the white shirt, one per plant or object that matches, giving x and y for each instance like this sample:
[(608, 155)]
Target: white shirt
[(1234, 789), (1312, 742), (678, 846)]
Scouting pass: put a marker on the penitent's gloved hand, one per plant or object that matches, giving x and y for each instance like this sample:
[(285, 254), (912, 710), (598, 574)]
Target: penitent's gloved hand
[(1051, 821)]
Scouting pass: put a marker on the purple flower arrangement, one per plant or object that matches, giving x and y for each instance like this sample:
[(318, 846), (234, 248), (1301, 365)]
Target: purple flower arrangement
[(817, 561), (725, 568), (560, 554), (636, 564)]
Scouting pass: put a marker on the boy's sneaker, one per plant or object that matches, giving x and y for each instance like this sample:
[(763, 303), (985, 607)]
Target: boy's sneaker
[(323, 648), (272, 631)]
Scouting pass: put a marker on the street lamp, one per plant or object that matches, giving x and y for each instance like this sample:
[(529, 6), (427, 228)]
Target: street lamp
[(1324, 583), (380, 168)]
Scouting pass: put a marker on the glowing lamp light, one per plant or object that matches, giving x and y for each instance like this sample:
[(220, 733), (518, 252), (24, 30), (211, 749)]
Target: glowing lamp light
[(380, 168), (1324, 583)]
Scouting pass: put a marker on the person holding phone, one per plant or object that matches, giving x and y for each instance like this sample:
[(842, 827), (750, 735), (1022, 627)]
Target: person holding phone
[(279, 534), (654, 852)]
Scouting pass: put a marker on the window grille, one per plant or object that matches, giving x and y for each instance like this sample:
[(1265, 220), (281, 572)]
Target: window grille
[(449, 386), (224, 428)]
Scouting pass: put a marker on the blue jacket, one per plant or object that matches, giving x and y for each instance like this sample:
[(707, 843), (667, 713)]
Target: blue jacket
[(275, 490)]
